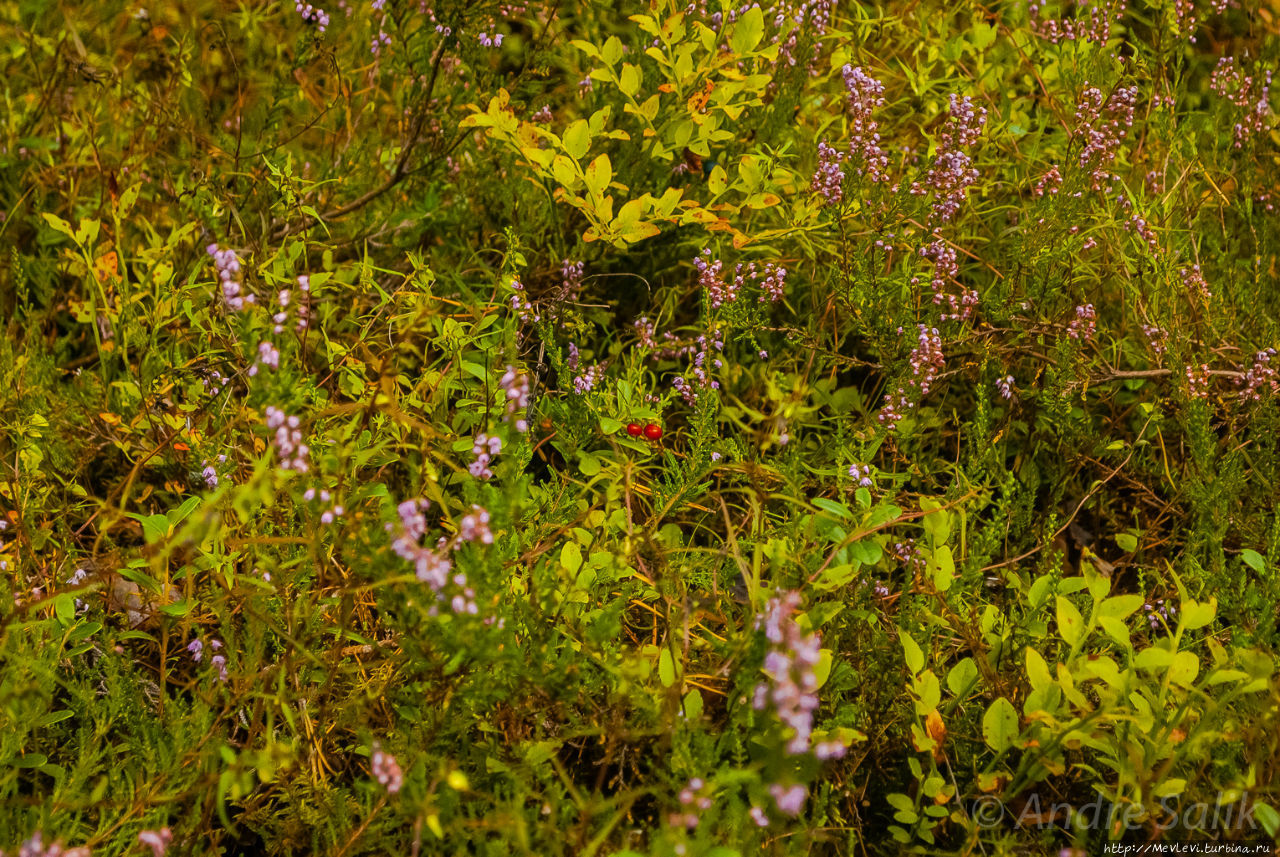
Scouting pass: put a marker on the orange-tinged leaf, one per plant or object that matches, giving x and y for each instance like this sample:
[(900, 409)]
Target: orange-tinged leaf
[(107, 266), (935, 725), (109, 419)]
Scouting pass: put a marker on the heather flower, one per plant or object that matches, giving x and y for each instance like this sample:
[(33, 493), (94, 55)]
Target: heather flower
[(475, 526), (789, 799), (515, 390), (35, 847), (311, 15), (1050, 182), (1085, 324), (861, 474), (157, 840), (1261, 377), (1249, 95), (196, 648), (288, 444), (1198, 381), (267, 356), (1101, 124), (1095, 28), (828, 178), (386, 770), (773, 282), (227, 265), (865, 95), (1156, 338), (952, 172), (791, 688), (758, 816), (926, 361), (484, 448), (1006, 387), (1159, 614), (487, 41), (1194, 281)]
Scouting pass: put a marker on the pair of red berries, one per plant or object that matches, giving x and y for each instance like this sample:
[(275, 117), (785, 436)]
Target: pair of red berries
[(651, 431)]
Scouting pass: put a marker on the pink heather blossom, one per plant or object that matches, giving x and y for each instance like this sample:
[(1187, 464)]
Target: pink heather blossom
[(828, 178), (952, 172), (227, 265), (789, 799), (157, 840), (1101, 124), (386, 770), (791, 688), (290, 449), (515, 391), (311, 15), (1261, 378), (865, 95), (1085, 324)]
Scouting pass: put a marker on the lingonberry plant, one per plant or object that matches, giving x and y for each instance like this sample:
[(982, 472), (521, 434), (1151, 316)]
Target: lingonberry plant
[(660, 428)]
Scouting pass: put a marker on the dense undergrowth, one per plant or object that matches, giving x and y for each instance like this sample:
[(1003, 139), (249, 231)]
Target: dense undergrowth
[(621, 429)]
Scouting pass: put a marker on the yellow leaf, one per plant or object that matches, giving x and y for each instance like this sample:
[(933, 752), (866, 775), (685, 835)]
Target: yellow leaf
[(109, 419)]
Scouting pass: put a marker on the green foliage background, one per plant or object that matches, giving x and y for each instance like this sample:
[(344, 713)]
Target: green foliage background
[(984, 607)]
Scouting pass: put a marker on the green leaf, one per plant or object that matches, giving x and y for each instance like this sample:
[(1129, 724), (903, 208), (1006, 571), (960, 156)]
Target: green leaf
[(914, 655), (748, 31), (1070, 622), (577, 140), (571, 557), (1196, 614), (1127, 542), (598, 174), (1038, 670), (1253, 559), (666, 668), (961, 677), (693, 704), (1119, 606), (1000, 725), (1184, 669), (822, 669)]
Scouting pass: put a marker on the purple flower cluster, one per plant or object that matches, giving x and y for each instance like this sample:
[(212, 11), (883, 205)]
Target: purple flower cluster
[(1193, 280), (1198, 381), (1159, 614), (227, 265), (1006, 387), (218, 661), (1261, 377), (289, 447), (35, 847), (1095, 29), (945, 269), (862, 474), (1157, 338), (378, 42), (311, 15), (328, 516), (157, 840), (1249, 94), (927, 360), (711, 279), (1050, 182), (521, 304), (483, 448), (865, 95), (586, 378), (1102, 122), (386, 770), (488, 41), (952, 172), (791, 688), (268, 355), (702, 356), (694, 799), (515, 392), (571, 279), (1085, 324), (303, 312), (789, 799), (434, 566), (828, 178)]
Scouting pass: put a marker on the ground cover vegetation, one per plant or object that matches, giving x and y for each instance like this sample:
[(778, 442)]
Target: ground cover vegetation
[(638, 429)]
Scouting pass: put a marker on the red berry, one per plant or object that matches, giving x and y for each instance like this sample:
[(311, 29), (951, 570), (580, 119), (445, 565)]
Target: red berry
[(652, 431), (634, 429)]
